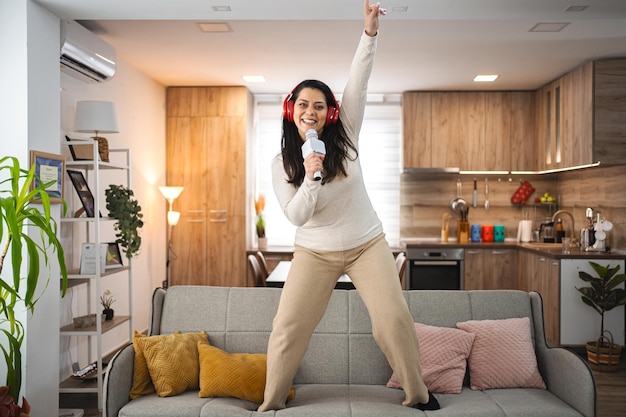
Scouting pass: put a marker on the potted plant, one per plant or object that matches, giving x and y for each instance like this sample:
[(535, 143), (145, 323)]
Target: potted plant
[(603, 295), (259, 206), (123, 206), (19, 289), (106, 299)]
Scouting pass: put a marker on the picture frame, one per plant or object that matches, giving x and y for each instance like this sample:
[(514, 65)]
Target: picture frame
[(83, 191), (81, 152), (113, 256), (88, 255), (48, 167)]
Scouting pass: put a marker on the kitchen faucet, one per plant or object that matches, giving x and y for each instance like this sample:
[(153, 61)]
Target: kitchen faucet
[(557, 213)]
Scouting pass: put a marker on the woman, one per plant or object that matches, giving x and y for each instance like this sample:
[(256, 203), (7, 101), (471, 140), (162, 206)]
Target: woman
[(338, 232)]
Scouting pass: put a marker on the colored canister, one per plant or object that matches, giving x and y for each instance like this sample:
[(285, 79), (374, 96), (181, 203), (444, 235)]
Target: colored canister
[(498, 233), (487, 235), (475, 233)]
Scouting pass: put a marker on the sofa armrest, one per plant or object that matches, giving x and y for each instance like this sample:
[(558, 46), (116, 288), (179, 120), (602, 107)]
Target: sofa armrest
[(118, 381), (569, 377), (565, 373)]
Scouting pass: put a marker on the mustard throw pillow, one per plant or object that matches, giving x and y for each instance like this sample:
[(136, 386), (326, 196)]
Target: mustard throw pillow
[(172, 361), (142, 384), (239, 375)]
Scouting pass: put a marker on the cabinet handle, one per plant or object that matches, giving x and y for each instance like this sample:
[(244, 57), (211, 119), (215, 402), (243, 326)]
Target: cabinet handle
[(195, 221), (195, 211), (541, 259), (218, 220), (473, 252), (499, 252), (218, 211)]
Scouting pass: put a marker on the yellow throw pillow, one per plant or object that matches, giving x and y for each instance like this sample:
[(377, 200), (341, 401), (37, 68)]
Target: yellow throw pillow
[(239, 375), (172, 361), (142, 384)]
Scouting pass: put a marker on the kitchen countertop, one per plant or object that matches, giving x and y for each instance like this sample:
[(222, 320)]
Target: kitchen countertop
[(550, 250)]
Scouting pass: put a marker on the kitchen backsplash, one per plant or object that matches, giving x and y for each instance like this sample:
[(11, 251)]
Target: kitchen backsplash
[(424, 199)]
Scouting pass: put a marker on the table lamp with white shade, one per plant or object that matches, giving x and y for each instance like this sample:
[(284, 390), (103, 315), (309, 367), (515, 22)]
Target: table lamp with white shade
[(96, 117)]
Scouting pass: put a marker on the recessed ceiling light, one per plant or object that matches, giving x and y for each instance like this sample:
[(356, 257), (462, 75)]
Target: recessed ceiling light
[(221, 8), (485, 78), (254, 78), (576, 8), (210, 27), (549, 27)]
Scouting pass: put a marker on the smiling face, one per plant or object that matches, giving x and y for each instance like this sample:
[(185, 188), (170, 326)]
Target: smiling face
[(310, 111)]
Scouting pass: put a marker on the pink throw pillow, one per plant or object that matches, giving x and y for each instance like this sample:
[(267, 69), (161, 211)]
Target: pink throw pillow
[(443, 355), (503, 355)]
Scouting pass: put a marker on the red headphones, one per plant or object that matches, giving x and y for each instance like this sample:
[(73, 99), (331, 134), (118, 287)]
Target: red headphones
[(331, 117)]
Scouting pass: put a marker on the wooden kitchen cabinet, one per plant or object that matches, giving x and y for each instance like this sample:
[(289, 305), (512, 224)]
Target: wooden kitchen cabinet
[(564, 125), (581, 118), (207, 129), (468, 130), (609, 115), (542, 274), (490, 269)]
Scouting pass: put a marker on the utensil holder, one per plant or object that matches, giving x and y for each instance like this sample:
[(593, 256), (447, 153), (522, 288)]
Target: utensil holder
[(463, 231)]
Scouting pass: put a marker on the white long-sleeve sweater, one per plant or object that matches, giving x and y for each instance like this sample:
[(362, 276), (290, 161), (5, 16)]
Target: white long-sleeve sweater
[(338, 215)]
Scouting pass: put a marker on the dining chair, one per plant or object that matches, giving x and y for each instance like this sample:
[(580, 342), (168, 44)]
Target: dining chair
[(262, 263), (401, 266), (255, 268)]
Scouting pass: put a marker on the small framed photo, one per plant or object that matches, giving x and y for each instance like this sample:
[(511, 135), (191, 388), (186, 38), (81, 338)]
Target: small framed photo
[(81, 152), (49, 168), (84, 193), (114, 257), (88, 258)]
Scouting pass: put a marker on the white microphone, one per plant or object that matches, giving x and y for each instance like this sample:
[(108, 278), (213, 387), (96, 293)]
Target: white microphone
[(313, 144)]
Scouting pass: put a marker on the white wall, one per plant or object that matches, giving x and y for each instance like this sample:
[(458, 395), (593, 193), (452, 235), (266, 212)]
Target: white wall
[(140, 105), (36, 111), (13, 109)]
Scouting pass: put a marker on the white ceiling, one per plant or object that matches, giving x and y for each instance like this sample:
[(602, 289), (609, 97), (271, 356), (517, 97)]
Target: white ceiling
[(434, 45)]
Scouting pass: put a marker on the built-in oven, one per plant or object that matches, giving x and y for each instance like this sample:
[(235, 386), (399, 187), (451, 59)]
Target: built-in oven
[(435, 268)]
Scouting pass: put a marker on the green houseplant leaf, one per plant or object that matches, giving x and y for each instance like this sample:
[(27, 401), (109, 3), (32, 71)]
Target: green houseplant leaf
[(17, 215), (602, 295), (123, 207)]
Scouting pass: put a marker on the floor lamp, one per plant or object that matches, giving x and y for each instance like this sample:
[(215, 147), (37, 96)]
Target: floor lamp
[(170, 194)]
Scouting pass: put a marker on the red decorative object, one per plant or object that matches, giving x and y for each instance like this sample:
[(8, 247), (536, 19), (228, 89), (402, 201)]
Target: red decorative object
[(522, 194)]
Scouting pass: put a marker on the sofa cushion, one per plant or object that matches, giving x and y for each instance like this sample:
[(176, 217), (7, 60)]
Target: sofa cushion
[(503, 354), (239, 375), (172, 361), (443, 357)]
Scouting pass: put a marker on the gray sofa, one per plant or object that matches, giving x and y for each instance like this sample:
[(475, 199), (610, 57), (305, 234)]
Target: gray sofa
[(344, 373)]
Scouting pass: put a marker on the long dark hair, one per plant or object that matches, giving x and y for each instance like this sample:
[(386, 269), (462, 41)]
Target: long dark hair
[(338, 144)]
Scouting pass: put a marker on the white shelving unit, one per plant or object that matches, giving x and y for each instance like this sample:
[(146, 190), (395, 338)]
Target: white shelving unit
[(93, 228)]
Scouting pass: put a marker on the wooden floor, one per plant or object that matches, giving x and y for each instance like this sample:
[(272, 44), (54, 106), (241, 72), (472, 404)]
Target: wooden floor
[(611, 395)]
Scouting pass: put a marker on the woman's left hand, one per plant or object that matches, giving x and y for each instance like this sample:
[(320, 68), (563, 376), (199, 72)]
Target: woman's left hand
[(371, 14)]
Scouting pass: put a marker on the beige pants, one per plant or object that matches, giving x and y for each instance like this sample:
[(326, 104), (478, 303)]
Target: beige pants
[(304, 299)]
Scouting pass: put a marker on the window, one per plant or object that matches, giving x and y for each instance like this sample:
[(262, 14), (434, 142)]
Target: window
[(380, 151)]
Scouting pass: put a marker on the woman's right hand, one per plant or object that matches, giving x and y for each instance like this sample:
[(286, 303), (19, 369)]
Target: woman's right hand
[(371, 20), (312, 164)]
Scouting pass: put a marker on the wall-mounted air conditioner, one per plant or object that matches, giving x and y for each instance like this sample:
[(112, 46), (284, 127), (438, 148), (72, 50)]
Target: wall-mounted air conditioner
[(84, 55)]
